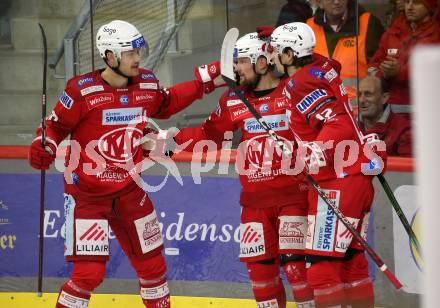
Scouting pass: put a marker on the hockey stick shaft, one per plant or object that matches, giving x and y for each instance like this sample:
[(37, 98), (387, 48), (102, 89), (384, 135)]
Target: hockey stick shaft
[(399, 212), (382, 266), (43, 172)]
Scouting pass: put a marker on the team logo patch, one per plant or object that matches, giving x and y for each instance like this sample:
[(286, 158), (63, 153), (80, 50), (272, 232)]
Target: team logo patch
[(252, 239), (238, 112), (91, 237), (99, 99), (277, 122), (66, 100), (142, 97), (344, 237), (290, 84), (84, 81), (123, 99), (148, 231), (292, 232), (149, 76), (137, 43), (262, 152), (232, 94), (317, 73), (120, 144), (91, 89), (330, 75), (280, 103), (264, 108), (69, 208), (326, 222), (148, 86), (310, 99), (122, 116), (233, 102)]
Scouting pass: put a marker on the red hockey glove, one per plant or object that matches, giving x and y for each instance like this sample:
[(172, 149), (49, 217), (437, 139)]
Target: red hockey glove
[(264, 32), (206, 74), (375, 151), (40, 158)]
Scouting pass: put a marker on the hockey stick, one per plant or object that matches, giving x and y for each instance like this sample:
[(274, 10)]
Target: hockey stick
[(43, 172), (228, 76)]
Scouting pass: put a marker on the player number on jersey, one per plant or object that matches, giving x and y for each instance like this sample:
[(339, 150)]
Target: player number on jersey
[(325, 115)]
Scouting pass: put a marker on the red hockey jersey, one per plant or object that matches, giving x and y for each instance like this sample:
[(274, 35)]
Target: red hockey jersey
[(260, 164), (318, 110), (105, 125)]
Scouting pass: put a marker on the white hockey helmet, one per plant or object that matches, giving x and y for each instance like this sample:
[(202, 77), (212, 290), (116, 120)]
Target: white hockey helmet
[(296, 35), (118, 36), (252, 47)]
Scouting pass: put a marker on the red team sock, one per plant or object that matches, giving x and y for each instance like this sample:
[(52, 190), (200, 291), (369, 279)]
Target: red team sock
[(73, 296), (153, 284), (325, 279), (267, 286), (296, 275), (85, 277), (155, 294), (358, 286), (360, 294)]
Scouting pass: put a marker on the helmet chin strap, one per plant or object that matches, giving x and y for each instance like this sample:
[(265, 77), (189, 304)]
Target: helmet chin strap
[(116, 69), (285, 66), (255, 84)]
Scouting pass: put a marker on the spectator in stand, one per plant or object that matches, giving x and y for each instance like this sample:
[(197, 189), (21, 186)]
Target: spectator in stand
[(397, 13), (295, 11), (391, 59), (377, 117), (334, 25)]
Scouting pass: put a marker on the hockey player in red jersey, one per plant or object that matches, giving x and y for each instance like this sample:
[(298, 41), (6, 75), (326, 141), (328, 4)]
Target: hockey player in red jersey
[(274, 203), (106, 112), (337, 156)]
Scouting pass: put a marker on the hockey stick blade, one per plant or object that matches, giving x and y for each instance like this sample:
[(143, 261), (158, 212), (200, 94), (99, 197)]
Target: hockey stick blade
[(227, 54)]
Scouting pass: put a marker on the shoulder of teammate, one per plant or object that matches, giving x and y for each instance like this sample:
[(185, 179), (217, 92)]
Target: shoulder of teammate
[(145, 76), (312, 85), (77, 87), (85, 80)]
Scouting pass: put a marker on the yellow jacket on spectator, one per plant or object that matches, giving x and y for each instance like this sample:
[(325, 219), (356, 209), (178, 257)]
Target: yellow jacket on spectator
[(340, 43)]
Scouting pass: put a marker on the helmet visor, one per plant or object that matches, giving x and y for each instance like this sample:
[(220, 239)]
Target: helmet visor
[(140, 53)]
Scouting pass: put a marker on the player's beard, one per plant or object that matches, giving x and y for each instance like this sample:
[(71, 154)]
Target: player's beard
[(249, 82)]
